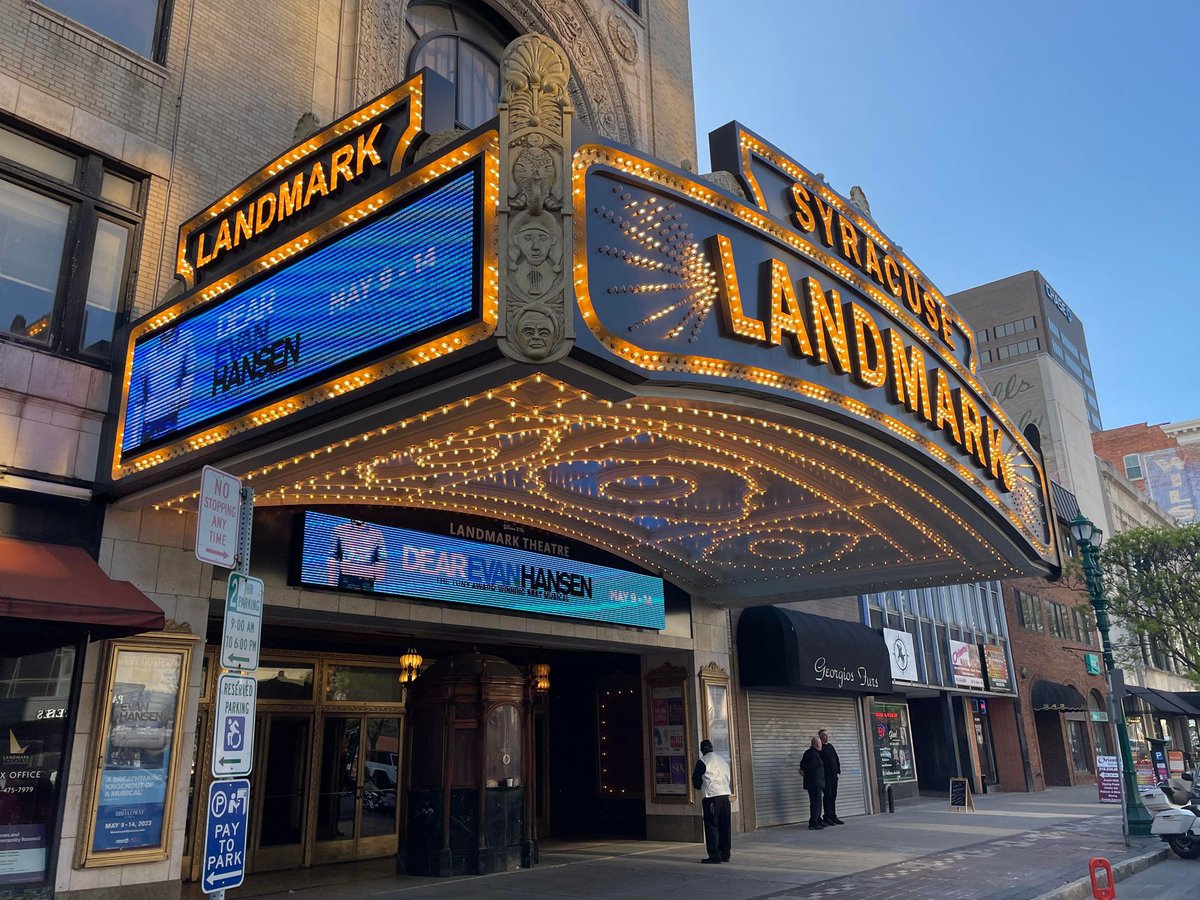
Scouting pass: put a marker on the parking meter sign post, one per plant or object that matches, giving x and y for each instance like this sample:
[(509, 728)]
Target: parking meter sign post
[(233, 726), (225, 835), (241, 633), (220, 515)]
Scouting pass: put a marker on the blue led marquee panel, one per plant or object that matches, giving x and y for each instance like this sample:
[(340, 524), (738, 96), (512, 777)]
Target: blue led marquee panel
[(352, 555), (399, 276)]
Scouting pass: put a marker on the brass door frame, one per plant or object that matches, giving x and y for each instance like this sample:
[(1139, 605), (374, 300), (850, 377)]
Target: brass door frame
[(357, 847), (288, 856)]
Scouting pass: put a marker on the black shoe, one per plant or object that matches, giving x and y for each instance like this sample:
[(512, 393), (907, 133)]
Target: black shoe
[(724, 859), (815, 826), (837, 821), (711, 860)]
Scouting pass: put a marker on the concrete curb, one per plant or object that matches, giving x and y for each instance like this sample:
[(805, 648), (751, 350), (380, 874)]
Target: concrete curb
[(1082, 889)]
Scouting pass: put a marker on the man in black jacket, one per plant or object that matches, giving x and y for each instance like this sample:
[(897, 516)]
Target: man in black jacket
[(812, 767), (833, 768)]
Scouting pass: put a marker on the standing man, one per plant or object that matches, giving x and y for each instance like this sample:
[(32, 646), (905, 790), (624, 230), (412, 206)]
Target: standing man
[(711, 776), (812, 767), (833, 768)]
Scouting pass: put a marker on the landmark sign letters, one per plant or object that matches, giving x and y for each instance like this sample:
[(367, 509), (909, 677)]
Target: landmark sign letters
[(241, 634), (233, 731), (225, 835), (220, 508)]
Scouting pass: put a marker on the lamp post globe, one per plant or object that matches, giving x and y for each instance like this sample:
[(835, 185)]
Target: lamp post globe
[(1089, 538)]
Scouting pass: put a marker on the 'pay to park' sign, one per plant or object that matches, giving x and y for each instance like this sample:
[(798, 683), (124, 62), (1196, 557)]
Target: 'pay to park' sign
[(220, 510), (225, 835)]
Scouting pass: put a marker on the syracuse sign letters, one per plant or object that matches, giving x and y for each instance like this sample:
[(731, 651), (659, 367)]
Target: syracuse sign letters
[(678, 277)]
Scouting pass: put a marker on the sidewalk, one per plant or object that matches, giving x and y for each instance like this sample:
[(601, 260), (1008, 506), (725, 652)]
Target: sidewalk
[(1014, 846)]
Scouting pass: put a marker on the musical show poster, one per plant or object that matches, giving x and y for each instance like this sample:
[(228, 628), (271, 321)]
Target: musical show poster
[(669, 745), (135, 771)]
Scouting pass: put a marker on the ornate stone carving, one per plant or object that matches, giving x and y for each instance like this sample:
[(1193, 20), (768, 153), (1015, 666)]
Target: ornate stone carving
[(378, 65), (535, 224), (727, 181), (306, 126), (623, 39), (597, 88), (858, 198), (436, 141)]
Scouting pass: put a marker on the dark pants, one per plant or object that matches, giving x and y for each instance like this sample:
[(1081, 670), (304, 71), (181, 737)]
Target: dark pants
[(814, 805), (716, 827), (831, 799)]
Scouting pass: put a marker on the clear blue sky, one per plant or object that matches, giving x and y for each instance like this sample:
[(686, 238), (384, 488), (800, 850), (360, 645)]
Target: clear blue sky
[(996, 137)]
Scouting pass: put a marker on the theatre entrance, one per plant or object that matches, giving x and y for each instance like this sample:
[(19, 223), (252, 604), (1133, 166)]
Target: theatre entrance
[(330, 764)]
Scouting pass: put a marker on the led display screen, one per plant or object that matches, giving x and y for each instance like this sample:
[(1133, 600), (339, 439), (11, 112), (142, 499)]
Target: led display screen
[(353, 555), (393, 279)]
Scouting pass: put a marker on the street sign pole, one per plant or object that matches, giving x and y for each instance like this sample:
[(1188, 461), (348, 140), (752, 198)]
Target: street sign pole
[(227, 816)]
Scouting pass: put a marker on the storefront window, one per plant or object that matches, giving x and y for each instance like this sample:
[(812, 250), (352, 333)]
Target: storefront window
[(1081, 755), (35, 689), (364, 684), (893, 742)]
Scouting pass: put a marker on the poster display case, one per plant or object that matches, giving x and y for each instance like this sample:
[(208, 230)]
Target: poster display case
[(135, 755)]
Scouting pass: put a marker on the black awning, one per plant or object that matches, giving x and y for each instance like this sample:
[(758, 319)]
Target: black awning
[(780, 647), (1168, 702), (1050, 695)]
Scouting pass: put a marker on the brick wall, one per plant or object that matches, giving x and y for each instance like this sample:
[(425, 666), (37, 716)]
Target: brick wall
[(1045, 656), (1114, 444)]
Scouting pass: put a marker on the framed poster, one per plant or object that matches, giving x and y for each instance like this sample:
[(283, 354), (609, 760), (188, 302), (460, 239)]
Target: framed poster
[(715, 717), (136, 753), (670, 772)]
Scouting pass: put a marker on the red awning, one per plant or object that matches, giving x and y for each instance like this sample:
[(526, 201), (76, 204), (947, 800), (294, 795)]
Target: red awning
[(51, 582)]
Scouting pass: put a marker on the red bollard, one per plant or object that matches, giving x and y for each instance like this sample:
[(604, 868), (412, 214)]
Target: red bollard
[(1107, 891)]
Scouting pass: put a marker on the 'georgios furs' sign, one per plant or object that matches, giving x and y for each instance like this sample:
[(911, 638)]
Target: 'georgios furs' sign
[(766, 277)]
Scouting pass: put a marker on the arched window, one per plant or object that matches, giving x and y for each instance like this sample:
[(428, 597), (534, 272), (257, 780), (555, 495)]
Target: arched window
[(464, 48)]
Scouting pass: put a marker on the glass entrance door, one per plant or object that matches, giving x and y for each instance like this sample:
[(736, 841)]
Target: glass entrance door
[(280, 791), (357, 787), (983, 742)]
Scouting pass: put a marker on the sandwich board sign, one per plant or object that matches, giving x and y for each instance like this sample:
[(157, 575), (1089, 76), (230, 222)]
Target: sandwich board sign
[(220, 507), (233, 728), (242, 632), (225, 835)]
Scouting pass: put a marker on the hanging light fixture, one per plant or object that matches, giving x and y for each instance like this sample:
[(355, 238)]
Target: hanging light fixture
[(541, 677), (410, 665)]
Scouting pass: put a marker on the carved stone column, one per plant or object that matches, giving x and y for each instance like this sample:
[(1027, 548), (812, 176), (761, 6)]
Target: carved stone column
[(535, 323)]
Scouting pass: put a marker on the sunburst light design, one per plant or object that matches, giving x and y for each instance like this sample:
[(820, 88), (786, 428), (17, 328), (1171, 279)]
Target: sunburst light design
[(671, 253)]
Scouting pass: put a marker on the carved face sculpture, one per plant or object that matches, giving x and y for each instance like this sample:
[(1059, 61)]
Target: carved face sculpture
[(535, 243), (536, 333)]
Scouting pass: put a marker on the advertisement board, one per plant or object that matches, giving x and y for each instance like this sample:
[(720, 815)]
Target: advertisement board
[(392, 281), (999, 678), (134, 783), (668, 743), (355, 555), (964, 663)]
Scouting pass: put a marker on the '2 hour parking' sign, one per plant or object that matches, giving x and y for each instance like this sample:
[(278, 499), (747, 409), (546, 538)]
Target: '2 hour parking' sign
[(225, 835)]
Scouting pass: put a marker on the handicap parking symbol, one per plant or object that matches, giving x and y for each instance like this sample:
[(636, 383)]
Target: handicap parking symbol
[(235, 733)]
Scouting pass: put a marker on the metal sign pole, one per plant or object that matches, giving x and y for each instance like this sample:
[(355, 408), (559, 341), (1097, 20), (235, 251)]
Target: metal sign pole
[(241, 568)]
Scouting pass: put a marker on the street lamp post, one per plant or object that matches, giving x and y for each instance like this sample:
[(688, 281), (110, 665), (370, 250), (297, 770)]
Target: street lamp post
[(1089, 537)]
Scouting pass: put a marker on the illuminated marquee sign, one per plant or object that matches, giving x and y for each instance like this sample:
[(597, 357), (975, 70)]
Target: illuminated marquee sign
[(318, 177), (794, 291), (399, 276), (337, 265), (354, 555)]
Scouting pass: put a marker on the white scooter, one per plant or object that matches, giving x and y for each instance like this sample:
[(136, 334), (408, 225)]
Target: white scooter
[(1180, 826)]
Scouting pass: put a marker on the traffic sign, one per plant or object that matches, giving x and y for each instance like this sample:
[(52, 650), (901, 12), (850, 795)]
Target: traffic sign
[(241, 634), (225, 835), (220, 513), (233, 730)]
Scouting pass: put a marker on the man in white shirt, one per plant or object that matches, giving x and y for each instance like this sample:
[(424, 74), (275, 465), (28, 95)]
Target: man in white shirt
[(711, 777)]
